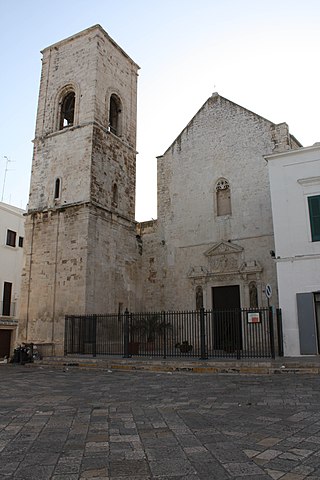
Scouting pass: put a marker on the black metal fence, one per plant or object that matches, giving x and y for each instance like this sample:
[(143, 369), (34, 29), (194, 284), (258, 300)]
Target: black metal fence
[(236, 333)]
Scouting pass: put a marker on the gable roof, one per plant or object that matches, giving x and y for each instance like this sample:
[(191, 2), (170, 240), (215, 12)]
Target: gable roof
[(214, 97)]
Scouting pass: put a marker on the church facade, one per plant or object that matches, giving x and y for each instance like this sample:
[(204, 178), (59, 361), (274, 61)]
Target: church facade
[(84, 252), (213, 243)]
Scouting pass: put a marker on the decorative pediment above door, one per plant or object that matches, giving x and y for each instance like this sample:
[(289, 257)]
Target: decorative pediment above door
[(223, 248), (224, 257), (225, 260)]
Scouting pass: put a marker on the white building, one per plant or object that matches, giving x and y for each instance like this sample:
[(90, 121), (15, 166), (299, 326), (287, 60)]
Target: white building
[(11, 257), (295, 195)]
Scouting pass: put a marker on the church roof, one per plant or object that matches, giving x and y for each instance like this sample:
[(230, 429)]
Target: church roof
[(214, 97), (87, 31)]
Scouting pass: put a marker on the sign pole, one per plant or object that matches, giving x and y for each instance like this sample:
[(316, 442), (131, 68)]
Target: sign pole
[(268, 292)]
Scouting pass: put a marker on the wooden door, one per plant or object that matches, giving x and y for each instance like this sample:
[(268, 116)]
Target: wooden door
[(227, 318)]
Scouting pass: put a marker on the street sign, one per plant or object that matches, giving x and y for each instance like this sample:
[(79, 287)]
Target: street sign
[(268, 291)]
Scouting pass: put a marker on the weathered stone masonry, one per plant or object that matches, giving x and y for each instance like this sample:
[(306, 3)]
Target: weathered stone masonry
[(81, 248), (191, 245), (84, 251)]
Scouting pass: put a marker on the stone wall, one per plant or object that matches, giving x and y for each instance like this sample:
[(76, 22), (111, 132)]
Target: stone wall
[(114, 264), (226, 141), (54, 274), (82, 253), (113, 163)]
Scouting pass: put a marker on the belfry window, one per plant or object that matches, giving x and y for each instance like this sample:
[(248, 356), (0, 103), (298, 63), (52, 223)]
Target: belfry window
[(67, 111), (223, 197), (114, 115)]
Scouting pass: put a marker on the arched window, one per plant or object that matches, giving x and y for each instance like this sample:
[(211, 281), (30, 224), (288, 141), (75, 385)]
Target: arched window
[(223, 197), (115, 115), (115, 194), (67, 110), (57, 189), (253, 293), (199, 297)]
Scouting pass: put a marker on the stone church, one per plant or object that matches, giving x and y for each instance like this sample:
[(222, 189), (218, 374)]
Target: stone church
[(212, 243)]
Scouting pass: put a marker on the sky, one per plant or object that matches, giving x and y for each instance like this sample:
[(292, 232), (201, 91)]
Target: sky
[(263, 55)]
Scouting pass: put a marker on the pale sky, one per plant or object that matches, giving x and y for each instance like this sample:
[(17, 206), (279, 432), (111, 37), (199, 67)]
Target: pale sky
[(263, 55)]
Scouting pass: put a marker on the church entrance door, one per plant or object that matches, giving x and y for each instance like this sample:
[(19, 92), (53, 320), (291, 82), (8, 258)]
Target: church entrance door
[(226, 297), (5, 339), (227, 318)]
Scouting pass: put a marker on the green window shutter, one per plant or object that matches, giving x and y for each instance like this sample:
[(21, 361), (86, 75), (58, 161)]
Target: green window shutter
[(314, 212)]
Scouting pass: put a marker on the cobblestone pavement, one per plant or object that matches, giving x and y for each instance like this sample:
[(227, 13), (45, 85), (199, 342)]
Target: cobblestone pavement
[(75, 424)]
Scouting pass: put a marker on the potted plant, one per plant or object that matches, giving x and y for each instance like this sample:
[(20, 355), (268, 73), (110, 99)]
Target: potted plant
[(185, 346)]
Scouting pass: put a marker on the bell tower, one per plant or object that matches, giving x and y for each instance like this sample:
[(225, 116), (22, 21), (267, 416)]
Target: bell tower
[(81, 254)]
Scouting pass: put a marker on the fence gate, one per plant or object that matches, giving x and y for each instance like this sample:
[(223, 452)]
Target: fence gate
[(225, 333)]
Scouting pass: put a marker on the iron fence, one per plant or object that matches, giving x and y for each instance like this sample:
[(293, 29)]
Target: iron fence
[(234, 333)]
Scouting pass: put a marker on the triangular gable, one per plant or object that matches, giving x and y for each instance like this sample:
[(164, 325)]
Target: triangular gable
[(223, 248), (215, 97)]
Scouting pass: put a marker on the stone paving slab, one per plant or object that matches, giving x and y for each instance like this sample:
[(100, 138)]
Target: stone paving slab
[(73, 424)]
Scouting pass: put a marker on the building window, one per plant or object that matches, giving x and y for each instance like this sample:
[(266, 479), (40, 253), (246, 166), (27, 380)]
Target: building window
[(115, 194), (114, 115), (20, 242), (57, 187), (223, 197), (67, 111), (316, 296), (314, 214), (11, 238), (6, 299), (253, 293)]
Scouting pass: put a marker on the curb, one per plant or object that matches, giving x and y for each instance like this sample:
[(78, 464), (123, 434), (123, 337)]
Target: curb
[(235, 368)]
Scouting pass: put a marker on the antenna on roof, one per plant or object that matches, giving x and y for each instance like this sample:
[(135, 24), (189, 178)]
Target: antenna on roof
[(5, 175)]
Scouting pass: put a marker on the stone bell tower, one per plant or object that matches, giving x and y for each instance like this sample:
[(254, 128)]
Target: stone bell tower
[(81, 254)]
